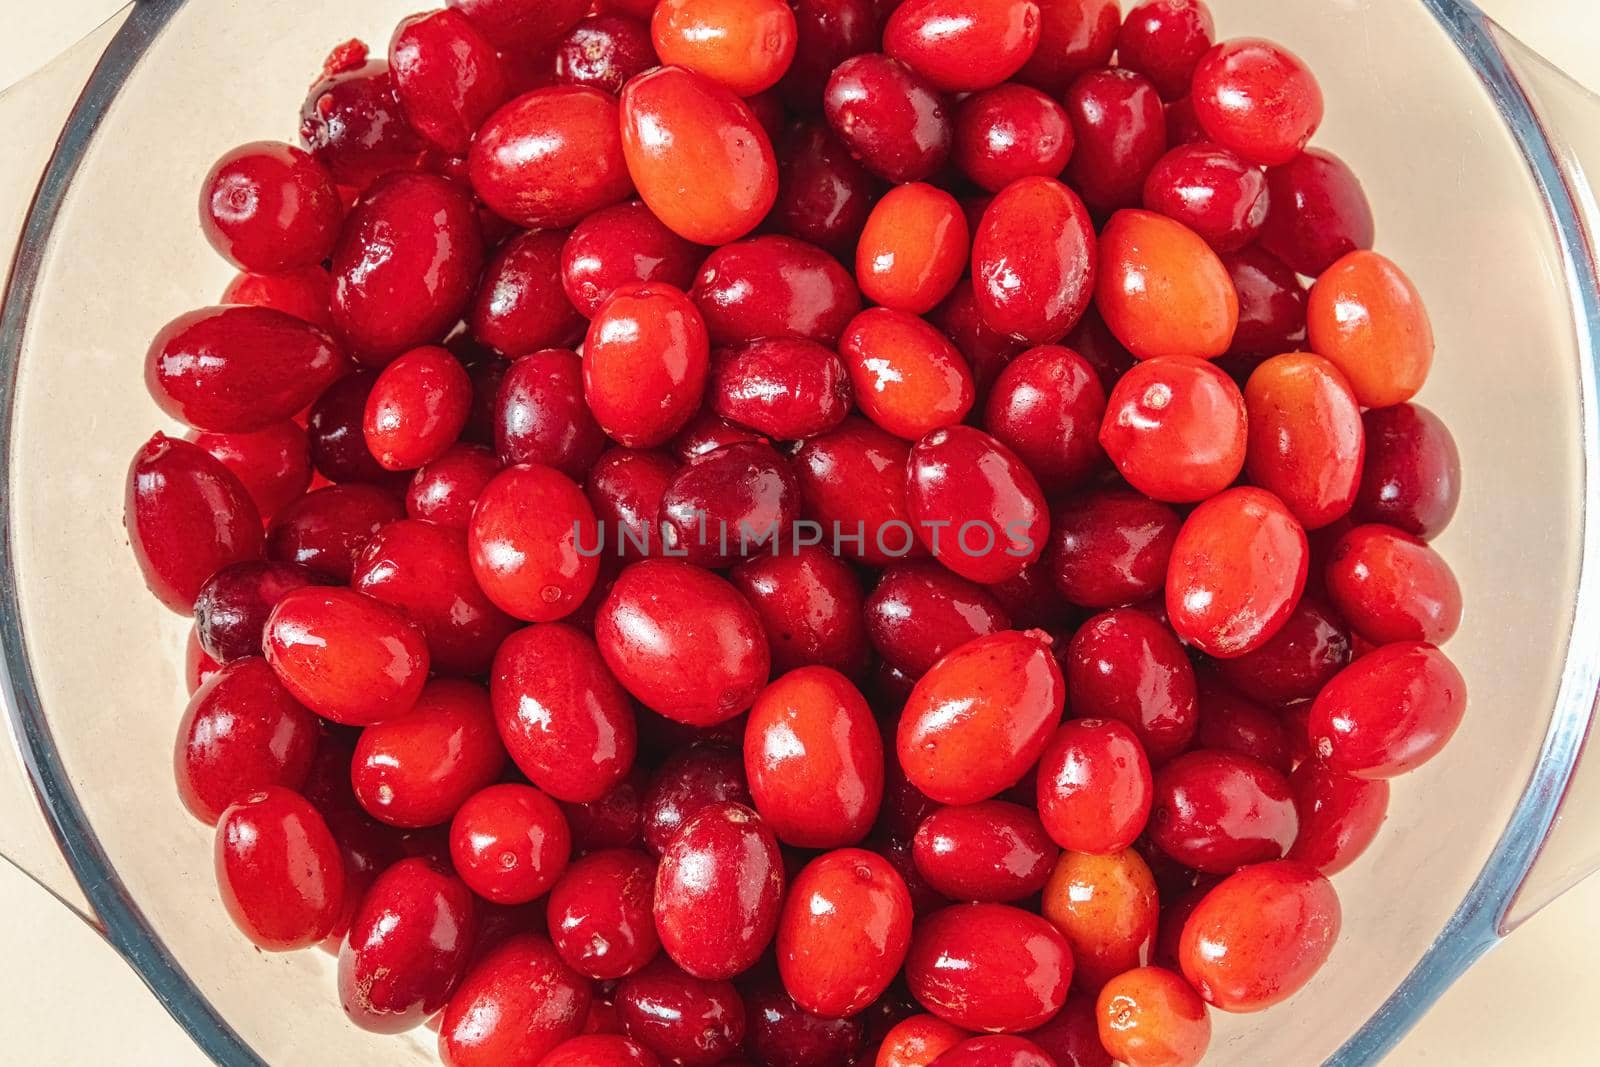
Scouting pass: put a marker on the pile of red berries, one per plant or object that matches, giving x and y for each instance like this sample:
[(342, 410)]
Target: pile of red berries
[(1032, 713)]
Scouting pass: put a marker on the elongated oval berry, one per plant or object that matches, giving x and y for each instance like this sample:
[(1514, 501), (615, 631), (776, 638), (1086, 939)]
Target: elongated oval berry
[(550, 157), (974, 504), (519, 1003), (913, 248), (889, 117), (405, 266), (645, 363), (187, 517), (448, 77), (907, 376), (814, 759), (1260, 935), (1046, 406), (1151, 1017), (1034, 261), (345, 656), (1125, 665), (416, 769), (844, 932), (990, 851), (600, 914), (785, 387), (236, 369), (718, 889), (1366, 318), (1391, 586), (1306, 442), (700, 159), (745, 45), (1216, 811), (509, 842), (1107, 908), (980, 718), (963, 45), (1162, 290), (683, 641), (1388, 712), (1339, 815), (1237, 570), (989, 967), (534, 542), (1094, 786), (521, 305), (565, 720), (417, 408), (279, 870)]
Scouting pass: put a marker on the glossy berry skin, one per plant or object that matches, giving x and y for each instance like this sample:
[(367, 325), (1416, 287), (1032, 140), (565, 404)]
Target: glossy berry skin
[(1366, 318), (613, 821), (645, 364), (625, 487), (780, 1031), (1339, 815), (345, 656), (303, 292), (272, 463), (1151, 1017), (989, 967), (682, 1018), (694, 778), (810, 605), (1094, 786), (1217, 811), (1125, 665), (519, 1003), (1074, 36), (843, 933), (620, 246), (917, 1041), (541, 417), (448, 78), (774, 287), (1319, 212), (981, 717), (1162, 290), (1412, 476), (416, 769), (718, 889), (962, 47), (603, 52), (600, 913), (187, 517), (700, 159), (1073, 1036), (521, 304), (921, 610), (744, 45), (599, 1050), (233, 605), (824, 195), (417, 408), (1305, 440), (975, 505), (1259, 936), (1033, 261), (1176, 429), (566, 722), (787, 388), (1011, 132), (1210, 190), (1237, 570), (509, 843), (326, 530), (814, 759), (1256, 98), (995, 1050), (737, 500), (524, 543), (405, 265), (279, 870), (989, 851), (1047, 406), (1110, 547), (1164, 40), (1393, 587), (550, 157), (1229, 721), (241, 733), (352, 122), (683, 641), (907, 377), (336, 433), (913, 248), (270, 207), (237, 369), (1120, 130), (1272, 305), (522, 25), (854, 476), (408, 948), (1293, 664), (1388, 712), (890, 118), (1106, 907)]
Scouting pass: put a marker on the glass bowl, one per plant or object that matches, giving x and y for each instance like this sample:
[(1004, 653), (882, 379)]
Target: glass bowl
[(1448, 122)]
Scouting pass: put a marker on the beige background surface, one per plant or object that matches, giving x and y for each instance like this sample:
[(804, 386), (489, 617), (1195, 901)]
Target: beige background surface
[(65, 998)]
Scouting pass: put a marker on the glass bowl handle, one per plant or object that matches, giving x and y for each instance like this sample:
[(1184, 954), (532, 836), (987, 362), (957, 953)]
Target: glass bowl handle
[(33, 112)]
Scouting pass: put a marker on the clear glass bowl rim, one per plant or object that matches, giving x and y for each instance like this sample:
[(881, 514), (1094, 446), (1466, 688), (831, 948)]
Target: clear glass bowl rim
[(1473, 927)]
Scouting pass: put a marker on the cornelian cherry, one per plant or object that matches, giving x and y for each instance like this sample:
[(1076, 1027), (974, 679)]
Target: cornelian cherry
[(745, 45), (1094, 786), (279, 870), (509, 843), (1176, 429), (913, 248), (1162, 290)]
